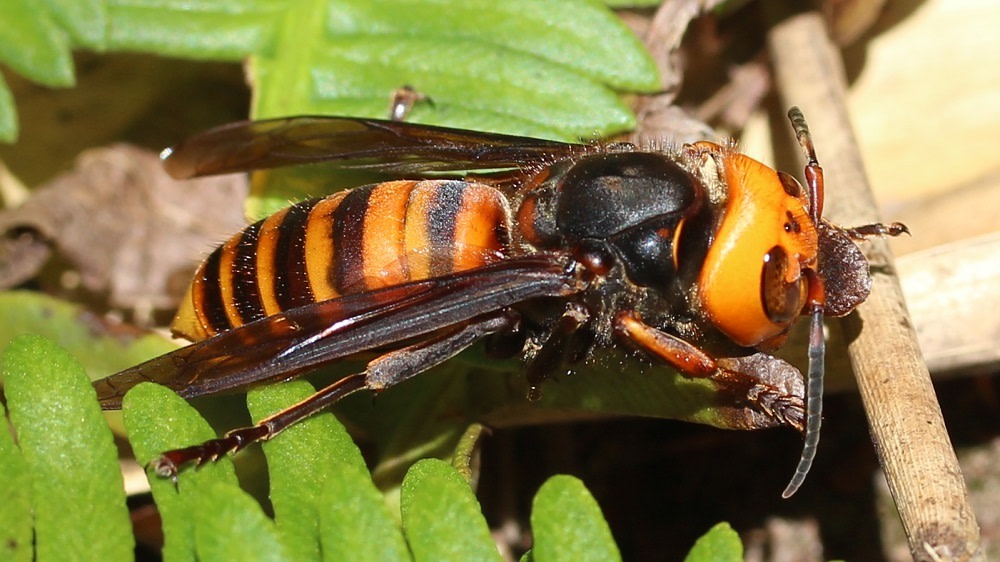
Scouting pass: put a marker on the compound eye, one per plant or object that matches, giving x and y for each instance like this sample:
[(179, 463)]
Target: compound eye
[(782, 300), (790, 184)]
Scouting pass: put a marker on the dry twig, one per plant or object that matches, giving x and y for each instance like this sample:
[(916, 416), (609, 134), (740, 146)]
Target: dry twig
[(904, 417)]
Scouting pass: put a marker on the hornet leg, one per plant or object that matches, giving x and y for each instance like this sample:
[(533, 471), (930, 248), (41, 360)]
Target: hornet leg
[(383, 372), (729, 374)]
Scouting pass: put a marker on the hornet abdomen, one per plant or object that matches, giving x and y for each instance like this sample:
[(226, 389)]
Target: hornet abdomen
[(363, 239)]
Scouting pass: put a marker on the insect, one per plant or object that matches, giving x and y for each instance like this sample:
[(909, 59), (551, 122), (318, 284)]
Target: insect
[(701, 258)]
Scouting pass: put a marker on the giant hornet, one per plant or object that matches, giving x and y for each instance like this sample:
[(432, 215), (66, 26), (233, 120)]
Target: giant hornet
[(701, 258)]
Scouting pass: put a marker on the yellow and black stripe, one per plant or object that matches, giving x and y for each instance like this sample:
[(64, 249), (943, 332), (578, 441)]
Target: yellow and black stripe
[(368, 238)]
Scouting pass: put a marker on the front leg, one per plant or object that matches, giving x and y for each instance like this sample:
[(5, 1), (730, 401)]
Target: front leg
[(740, 377)]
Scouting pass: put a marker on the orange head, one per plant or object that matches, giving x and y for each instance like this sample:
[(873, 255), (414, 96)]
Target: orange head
[(755, 280)]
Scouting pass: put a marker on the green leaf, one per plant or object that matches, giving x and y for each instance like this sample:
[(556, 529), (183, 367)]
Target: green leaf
[(426, 417), (547, 68), (579, 35), (617, 383), (467, 81), (720, 544), (95, 344), (33, 45), (79, 501), (158, 420), (101, 349), (441, 517), (465, 451), (8, 115), (355, 523), (230, 525), (485, 65), (300, 462), (568, 524), (203, 30), (85, 20), (15, 501)]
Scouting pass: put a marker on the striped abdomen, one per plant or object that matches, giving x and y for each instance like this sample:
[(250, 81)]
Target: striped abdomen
[(358, 240)]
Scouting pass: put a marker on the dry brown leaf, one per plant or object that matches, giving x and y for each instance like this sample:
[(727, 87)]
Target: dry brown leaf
[(130, 232)]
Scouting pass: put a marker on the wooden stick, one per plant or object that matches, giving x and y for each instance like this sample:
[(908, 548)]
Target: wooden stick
[(904, 417)]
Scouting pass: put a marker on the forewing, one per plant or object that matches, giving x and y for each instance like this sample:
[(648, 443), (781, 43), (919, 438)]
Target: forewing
[(389, 146), (282, 346)]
